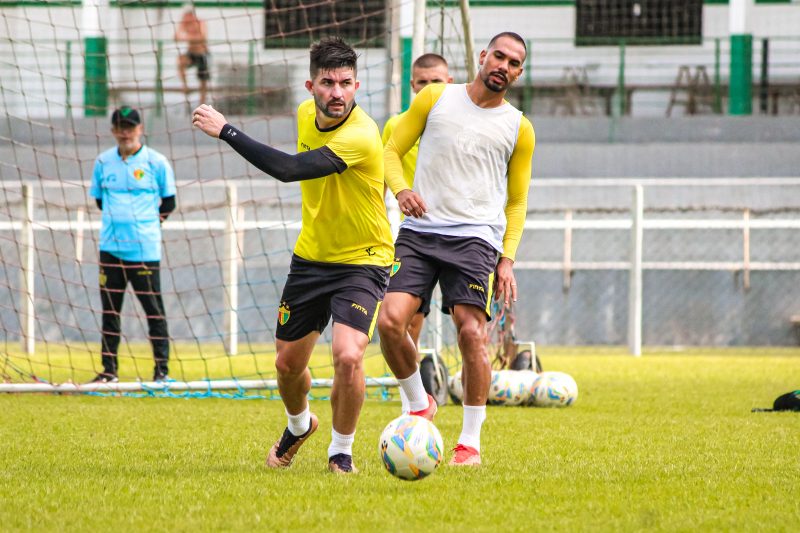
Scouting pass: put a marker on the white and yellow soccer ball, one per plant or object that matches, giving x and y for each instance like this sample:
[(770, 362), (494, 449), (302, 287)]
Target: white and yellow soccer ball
[(411, 447), (554, 389), (527, 377), (456, 388), (508, 387)]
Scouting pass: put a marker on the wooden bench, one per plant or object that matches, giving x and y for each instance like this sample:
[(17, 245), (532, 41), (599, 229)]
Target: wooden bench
[(776, 91), (518, 94), (575, 100), (795, 321), (114, 91), (261, 99)]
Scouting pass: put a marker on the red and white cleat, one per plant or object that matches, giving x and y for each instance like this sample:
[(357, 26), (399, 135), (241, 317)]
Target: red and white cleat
[(429, 412), (465, 456)]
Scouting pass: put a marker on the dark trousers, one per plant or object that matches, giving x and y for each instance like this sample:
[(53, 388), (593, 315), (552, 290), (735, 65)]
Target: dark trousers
[(146, 280)]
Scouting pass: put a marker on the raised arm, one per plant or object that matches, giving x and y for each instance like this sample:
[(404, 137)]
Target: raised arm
[(280, 165)]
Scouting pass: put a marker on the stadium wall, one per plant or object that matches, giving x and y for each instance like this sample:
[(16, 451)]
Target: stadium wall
[(680, 307), (39, 72)]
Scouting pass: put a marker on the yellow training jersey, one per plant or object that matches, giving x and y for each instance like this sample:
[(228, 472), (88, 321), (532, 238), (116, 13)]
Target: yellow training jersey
[(410, 159), (344, 215)]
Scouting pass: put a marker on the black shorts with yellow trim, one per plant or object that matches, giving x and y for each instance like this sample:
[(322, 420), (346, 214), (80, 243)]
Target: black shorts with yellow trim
[(463, 266), (315, 292)]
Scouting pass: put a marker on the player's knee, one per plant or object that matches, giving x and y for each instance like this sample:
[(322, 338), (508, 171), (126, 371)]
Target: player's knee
[(471, 334), (390, 324), (287, 367), (347, 360)]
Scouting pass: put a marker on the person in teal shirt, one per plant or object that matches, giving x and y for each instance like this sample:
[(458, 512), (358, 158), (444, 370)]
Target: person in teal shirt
[(134, 186)]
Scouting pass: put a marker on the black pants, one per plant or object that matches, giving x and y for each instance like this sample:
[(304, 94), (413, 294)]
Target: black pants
[(146, 280)]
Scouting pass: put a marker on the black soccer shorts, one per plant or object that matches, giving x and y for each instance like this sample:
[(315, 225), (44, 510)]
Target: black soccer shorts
[(351, 294), (463, 266)]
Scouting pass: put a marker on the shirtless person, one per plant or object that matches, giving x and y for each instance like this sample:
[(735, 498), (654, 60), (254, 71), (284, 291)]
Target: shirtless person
[(194, 32)]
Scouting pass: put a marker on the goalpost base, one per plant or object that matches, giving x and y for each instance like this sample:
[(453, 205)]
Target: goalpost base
[(174, 386)]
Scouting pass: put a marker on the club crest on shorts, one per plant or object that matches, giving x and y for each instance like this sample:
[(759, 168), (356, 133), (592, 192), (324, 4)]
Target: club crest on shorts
[(395, 267), (103, 279), (283, 313), (138, 174)]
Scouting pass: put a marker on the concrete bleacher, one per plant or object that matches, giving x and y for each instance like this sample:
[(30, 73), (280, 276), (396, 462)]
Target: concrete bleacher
[(701, 146)]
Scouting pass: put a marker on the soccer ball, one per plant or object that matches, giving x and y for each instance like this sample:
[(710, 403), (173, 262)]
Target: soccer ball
[(508, 387), (554, 389), (527, 377), (456, 388), (411, 447)]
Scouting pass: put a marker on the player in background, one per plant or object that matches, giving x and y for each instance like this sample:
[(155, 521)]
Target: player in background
[(340, 265), (134, 187), (427, 69), (194, 32), (467, 206)]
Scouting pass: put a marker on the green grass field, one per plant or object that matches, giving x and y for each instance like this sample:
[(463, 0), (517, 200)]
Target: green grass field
[(665, 442)]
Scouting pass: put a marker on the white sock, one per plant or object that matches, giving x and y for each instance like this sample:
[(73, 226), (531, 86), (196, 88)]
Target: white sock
[(299, 424), (415, 391), (404, 408), (341, 443), (474, 415)]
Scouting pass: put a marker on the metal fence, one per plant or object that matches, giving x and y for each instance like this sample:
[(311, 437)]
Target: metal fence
[(602, 262)]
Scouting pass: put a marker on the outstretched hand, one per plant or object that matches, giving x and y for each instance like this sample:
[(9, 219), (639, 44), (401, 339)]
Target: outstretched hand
[(411, 204), (209, 120)]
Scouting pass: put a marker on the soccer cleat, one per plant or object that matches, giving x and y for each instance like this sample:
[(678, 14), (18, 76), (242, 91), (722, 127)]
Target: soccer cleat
[(283, 451), (103, 377), (341, 463), (465, 456), (429, 412), (158, 376)]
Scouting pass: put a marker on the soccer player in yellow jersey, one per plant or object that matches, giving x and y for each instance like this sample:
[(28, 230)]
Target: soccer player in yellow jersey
[(341, 260), (427, 69), (467, 206)]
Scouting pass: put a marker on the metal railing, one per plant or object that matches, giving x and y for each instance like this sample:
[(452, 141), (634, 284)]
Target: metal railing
[(40, 78), (630, 219)]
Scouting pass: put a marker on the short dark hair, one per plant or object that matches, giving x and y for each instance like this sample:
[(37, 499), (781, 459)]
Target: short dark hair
[(332, 53), (512, 35), (429, 61)]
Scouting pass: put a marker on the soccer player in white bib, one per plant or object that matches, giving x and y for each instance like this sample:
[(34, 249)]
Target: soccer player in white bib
[(426, 69), (467, 207), (340, 265)]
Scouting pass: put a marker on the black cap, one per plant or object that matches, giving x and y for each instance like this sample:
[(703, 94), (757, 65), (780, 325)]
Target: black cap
[(125, 116)]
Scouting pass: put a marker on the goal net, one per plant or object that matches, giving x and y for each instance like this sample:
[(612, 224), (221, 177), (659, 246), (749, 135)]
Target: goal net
[(603, 263), (64, 67)]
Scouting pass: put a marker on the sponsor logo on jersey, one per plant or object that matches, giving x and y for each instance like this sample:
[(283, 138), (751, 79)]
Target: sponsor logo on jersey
[(476, 287), (138, 174), (283, 313), (395, 267), (305, 147), (370, 251), (359, 308)]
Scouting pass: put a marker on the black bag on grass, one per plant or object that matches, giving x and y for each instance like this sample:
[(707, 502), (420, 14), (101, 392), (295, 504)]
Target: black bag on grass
[(787, 402)]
